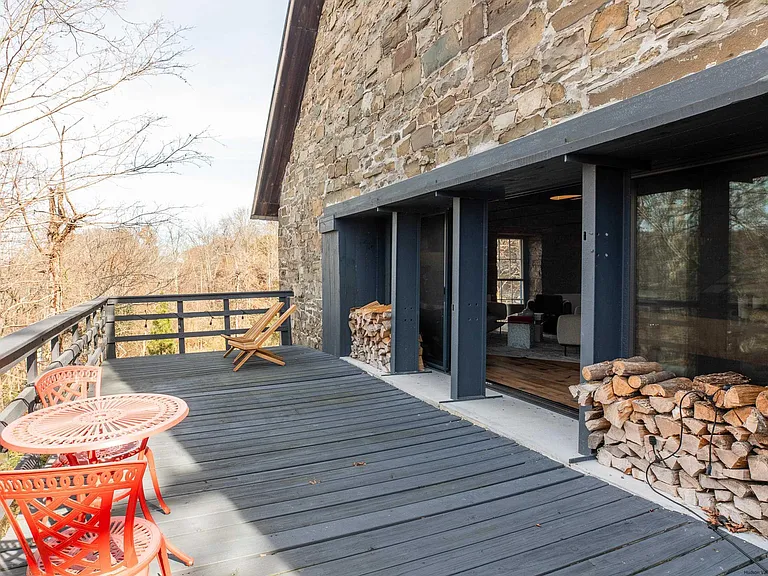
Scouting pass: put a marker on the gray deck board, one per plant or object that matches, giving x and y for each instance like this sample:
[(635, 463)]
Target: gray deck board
[(262, 479)]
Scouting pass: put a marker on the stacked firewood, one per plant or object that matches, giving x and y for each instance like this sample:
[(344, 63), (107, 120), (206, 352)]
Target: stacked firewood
[(371, 327), (704, 440)]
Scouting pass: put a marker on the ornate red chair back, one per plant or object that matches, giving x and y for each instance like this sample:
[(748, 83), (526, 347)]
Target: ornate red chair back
[(69, 512), (68, 383)]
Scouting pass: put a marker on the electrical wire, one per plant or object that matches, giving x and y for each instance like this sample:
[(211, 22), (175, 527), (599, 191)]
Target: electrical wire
[(657, 458)]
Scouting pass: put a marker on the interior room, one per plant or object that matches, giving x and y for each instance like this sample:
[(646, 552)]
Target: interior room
[(534, 299)]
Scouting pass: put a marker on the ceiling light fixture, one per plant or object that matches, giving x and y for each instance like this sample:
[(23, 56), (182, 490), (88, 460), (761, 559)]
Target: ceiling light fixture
[(566, 197)]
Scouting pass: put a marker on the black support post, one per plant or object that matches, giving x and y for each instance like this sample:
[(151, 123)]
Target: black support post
[(469, 282), (604, 264), (405, 292)]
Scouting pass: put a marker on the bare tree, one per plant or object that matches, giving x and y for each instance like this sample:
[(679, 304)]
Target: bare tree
[(59, 63)]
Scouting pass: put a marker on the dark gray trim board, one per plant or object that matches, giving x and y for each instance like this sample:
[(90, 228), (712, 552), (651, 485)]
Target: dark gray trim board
[(296, 51), (737, 80)]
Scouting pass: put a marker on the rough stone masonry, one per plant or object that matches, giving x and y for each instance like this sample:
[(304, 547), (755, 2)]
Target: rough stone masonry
[(398, 87)]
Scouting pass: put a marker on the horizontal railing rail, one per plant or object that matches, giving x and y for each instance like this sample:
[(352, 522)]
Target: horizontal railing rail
[(181, 335)]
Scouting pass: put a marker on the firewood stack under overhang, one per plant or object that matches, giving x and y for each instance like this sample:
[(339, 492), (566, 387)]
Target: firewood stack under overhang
[(704, 441), (371, 327)]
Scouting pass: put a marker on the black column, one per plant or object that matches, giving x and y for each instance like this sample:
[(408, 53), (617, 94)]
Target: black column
[(405, 292), (469, 280), (605, 277), (353, 262)]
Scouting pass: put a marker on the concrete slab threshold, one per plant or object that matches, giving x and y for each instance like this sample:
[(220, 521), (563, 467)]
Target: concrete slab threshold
[(534, 427)]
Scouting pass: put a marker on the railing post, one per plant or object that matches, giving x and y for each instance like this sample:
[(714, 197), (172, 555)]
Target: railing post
[(55, 347), (286, 339), (32, 368), (227, 321), (180, 311), (109, 331)]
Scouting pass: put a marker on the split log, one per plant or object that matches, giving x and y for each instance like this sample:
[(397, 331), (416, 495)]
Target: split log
[(664, 487), (736, 396), (667, 426), (694, 426), (692, 444), (687, 495), (758, 467), (761, 402), (737, 487), (741, 448), (691, 465), (721, 440), (665, 474), (639, 380), (618, 412), (667, 388), (739, 433), (730, 459), (688, 481), (631, 368), (583, 393), (642, 406), (748, 505), (662, 405), (598, 424), (635, 432), (615, 434), (705, 411), (709, 483), (760, 491), (595, 439), (604, 392), (738, 474), (592, 415), (738, 416), (756, 423), (706, 500)]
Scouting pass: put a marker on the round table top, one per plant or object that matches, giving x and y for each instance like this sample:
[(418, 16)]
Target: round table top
[(94, 423)]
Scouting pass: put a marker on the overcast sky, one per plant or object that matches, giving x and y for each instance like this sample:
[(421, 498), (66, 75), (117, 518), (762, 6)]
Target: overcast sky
[(235, 46)]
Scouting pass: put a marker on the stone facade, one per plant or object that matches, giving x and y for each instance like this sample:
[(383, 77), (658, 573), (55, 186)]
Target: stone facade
[(399, 87)]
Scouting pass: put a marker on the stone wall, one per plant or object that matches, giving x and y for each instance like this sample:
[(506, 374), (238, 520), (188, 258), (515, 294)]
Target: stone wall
[(398, 87)]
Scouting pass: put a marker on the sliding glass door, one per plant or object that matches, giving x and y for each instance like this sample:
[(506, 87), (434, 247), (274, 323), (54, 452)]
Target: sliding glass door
[(434, 318), (701, 269)]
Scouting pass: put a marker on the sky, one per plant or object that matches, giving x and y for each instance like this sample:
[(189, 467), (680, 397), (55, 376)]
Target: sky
[(234, 50)]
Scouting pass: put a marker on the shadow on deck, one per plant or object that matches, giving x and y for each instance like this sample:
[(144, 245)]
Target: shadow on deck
[(321, 468)]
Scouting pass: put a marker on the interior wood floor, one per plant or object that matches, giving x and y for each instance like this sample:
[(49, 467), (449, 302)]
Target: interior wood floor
[(318, 469), (546, 379)]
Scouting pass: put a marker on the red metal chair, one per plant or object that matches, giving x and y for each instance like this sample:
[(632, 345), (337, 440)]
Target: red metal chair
[(73, 383), (68, 383), (69, 513)]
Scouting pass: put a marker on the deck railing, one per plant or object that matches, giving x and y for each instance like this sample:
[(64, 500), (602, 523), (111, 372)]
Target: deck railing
[(90, 330), (177, 301), (82, 326)]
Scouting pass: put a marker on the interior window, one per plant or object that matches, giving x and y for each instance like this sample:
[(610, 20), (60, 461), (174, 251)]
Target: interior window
[(509, 266)]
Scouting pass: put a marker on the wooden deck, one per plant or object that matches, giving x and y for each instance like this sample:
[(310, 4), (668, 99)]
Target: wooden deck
[(319, 469)]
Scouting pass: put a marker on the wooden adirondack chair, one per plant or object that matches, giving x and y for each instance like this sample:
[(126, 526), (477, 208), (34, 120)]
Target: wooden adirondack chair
[(256, 348), (254, 331)]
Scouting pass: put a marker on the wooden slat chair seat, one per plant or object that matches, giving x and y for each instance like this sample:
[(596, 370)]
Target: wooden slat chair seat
[(255, 330), (256, 348)]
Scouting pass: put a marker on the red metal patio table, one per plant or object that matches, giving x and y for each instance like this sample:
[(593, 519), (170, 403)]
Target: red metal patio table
[(94, 424)]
